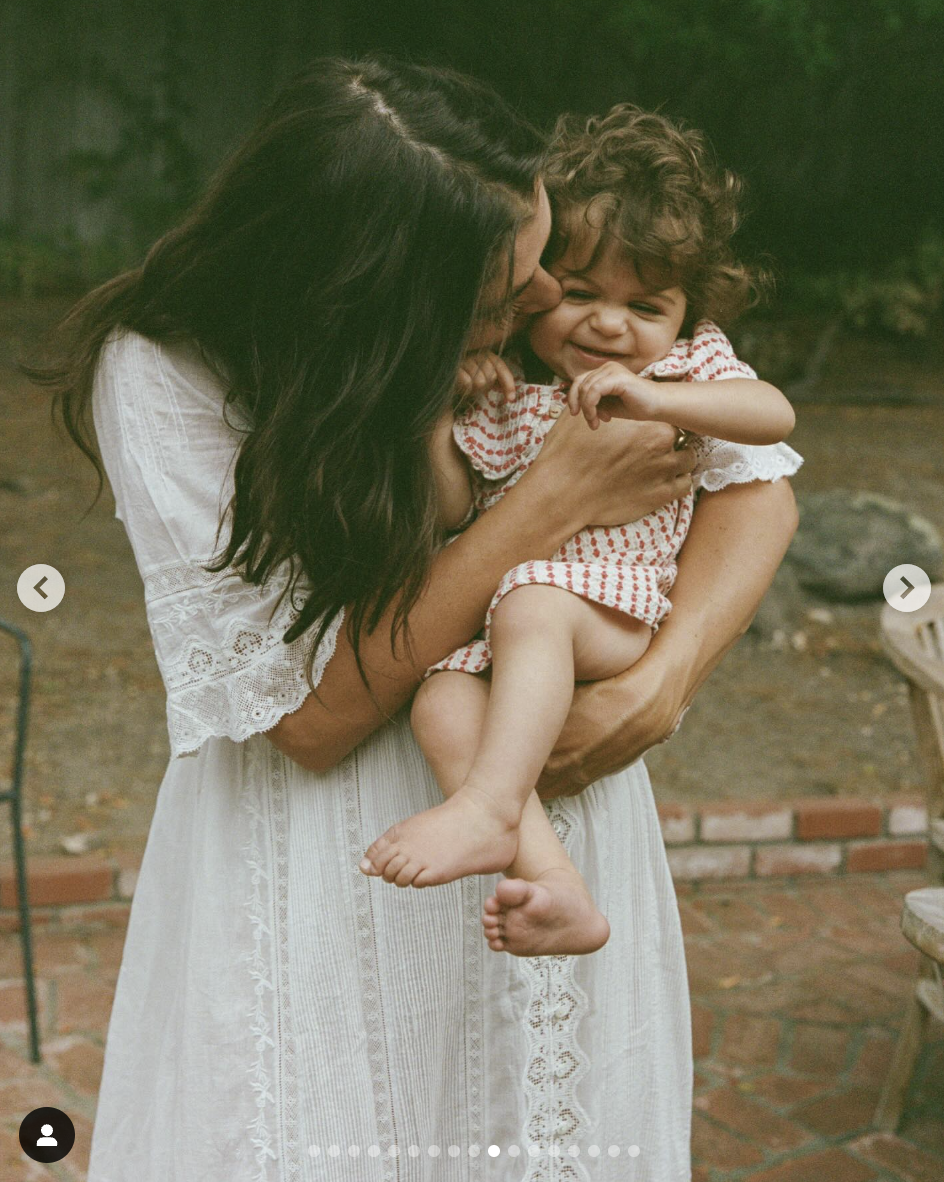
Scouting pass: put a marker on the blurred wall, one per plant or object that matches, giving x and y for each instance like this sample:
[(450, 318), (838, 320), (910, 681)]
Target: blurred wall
[(112, 112)]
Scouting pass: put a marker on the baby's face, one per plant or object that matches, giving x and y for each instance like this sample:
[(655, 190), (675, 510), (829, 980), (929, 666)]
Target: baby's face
[(607, 314)]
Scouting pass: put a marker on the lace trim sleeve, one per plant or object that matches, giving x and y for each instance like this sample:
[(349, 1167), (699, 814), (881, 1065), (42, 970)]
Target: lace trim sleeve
[(709, 356), (227, 672), (169, 452)]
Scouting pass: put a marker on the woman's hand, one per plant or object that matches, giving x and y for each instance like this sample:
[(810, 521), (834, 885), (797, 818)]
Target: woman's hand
[(615, 475), (613, 722), (736, 542)]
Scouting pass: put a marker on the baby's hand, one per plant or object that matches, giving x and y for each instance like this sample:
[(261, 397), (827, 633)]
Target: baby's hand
[(627, 395), (483, 371)]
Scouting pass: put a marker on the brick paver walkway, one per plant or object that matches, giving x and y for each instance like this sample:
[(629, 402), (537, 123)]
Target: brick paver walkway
[(797, 988)]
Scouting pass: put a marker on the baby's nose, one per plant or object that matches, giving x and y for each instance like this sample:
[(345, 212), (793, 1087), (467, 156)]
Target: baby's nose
[(610, 322)]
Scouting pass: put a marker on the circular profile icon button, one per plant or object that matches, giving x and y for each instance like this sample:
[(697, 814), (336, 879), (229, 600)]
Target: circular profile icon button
[(906, 587), (47, 1135), (40, 587)]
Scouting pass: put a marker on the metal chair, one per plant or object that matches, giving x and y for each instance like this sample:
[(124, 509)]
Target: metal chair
[(14, 796)]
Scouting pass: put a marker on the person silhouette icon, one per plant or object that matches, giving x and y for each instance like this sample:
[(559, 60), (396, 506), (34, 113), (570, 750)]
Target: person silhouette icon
[(37, 1139)]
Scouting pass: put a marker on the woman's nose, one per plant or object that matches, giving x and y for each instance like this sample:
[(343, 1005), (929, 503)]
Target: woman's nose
[(542, 292)]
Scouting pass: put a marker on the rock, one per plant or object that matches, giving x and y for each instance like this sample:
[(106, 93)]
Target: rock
[(847, 542), (781, 609)]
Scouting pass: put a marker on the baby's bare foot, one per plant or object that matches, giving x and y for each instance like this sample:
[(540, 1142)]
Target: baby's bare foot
[(552, 916), (464, 835)]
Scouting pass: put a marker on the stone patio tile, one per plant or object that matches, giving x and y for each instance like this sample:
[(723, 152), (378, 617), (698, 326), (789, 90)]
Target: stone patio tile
[(846, 1112), (715, 1147), (826, 1165), (752, 1120), (892, 1153), (785, 1091), (750, 1041), (819, 1050)]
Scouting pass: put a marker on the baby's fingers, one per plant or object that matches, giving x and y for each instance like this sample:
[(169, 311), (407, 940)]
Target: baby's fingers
[(504, 378)]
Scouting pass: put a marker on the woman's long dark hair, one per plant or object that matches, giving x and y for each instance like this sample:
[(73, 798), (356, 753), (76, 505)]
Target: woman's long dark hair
[(330, 276)]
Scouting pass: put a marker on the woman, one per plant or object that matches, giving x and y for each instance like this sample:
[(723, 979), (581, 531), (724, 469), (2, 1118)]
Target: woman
[(289, 348)]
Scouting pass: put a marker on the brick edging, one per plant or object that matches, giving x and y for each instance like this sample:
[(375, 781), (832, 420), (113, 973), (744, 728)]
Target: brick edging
[(721, 839), (815, 835)]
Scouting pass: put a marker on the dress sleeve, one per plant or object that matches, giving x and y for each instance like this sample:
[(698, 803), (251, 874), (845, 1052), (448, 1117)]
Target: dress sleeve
[(169, 456), (710, 357)]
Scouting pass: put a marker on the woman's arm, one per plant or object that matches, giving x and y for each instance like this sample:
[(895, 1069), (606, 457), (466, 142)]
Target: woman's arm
[(737, 539), (580, 477), (451, 473)]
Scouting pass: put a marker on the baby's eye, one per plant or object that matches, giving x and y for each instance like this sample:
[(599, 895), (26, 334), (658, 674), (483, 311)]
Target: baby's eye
[(578, 293), (646, 309)]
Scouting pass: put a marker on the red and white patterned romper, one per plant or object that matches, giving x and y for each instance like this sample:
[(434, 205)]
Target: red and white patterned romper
[(627, 567)]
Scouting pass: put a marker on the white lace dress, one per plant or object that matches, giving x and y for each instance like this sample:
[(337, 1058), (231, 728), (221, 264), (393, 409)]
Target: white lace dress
[(280, 1017)]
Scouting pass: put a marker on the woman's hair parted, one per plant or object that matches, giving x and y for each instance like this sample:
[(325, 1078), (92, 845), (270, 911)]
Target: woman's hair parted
[(330, 276), (653, 186)]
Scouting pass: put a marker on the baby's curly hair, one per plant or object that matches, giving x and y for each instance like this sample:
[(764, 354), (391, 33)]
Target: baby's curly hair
[(652, 185)]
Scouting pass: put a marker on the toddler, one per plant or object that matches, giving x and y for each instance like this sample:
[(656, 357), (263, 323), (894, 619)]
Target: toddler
[(641, 248)]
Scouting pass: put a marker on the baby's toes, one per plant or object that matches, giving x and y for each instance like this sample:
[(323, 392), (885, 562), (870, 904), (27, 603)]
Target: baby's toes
[(406, 874), (378, 854), (394, 866), (491, 923)]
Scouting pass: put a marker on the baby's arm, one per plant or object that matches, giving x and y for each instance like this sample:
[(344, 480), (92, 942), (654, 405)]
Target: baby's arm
[(451, 472), (741, 410)]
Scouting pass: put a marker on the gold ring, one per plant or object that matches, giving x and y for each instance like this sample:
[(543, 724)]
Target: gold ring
[(681, 439)]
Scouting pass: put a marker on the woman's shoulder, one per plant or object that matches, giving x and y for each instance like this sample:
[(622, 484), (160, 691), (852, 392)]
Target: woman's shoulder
[(134, 359)]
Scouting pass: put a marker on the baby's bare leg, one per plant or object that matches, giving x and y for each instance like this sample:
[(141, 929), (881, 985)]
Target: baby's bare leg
[(542, 637), (543, 907)]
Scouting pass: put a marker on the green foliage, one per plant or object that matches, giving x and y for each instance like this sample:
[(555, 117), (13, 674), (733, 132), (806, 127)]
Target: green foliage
[(902, 298), (32, 265)]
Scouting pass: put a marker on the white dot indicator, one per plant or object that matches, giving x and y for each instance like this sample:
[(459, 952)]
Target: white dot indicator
[(594, 1151), (633, 1151), (413, 1150), (906, 587), (334, 1150), (434, 1151), (314, 1150), (373, 1151), (493, 1151), (353, 1150), (613, 1151), (513, 1150), (453, 1151)]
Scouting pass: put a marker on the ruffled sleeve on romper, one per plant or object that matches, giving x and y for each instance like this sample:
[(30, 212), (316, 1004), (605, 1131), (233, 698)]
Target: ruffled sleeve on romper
[(629, 568), (169, 455)]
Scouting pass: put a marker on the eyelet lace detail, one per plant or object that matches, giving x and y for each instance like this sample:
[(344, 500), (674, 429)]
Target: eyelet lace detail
[(556, 1062), (721, 463), (220, 651)]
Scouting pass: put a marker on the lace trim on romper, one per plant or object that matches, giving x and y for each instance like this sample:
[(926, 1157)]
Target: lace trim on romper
[(629, 568)]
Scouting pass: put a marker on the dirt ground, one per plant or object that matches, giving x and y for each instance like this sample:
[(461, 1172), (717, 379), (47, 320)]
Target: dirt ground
[(831, 719)]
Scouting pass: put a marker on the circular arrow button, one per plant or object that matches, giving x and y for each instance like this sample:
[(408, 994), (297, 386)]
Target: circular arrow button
[(40, 587), (907, 587)]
